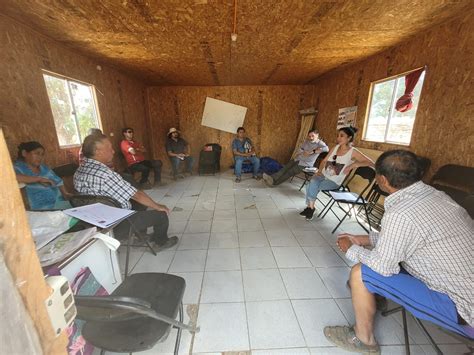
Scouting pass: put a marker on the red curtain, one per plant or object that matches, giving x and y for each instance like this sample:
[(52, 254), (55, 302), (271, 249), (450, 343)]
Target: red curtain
[(405, 103)]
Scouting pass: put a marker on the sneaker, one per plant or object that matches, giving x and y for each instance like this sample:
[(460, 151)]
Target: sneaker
[(257, 177), (345, 338), (268, 179), (171, 242), (305, 212), (238, 179), (310, 214)]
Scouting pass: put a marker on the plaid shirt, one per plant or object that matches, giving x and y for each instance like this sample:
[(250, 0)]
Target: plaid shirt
[(95, 178), (432, 238)]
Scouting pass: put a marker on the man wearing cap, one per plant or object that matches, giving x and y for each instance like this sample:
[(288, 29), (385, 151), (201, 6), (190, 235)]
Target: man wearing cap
[(133, 153), (178, 150)]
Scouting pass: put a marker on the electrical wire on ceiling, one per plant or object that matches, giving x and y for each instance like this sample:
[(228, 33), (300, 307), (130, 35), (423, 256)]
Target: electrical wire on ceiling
[(233, 35)]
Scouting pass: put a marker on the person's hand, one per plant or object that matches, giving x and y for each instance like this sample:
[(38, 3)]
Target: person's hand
[(344, 243), (361, 240), (307, 153), (163, 208), (348, 169), (44, 181)]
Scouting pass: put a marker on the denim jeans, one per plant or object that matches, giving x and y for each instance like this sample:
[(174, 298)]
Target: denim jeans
[(318, 183), (175, 161), (238, 164)]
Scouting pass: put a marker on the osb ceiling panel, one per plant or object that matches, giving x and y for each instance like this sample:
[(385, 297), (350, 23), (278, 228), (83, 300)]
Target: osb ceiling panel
[(187, 42)]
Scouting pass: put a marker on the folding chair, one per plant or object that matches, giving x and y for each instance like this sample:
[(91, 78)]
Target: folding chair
[(365, 173), (308, 174), (375, 210), (469, 342), (83, 200), (137, 315)]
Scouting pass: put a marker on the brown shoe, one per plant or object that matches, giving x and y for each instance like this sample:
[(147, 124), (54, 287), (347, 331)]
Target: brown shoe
[(345, 338)]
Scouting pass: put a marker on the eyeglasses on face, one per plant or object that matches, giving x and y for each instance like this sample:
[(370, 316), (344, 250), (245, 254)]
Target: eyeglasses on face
[(129, 131)]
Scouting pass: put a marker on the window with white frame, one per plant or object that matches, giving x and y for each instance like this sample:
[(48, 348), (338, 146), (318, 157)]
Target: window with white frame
[(74, 108), (384, 122)]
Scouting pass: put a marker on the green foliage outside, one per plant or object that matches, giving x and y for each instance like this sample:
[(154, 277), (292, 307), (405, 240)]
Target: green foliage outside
[(63, 109)]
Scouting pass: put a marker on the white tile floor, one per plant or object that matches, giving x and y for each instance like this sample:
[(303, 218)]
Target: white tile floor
[(264, 279)]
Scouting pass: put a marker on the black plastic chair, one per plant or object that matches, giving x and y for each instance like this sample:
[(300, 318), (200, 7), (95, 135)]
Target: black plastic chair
[(137, 315), (209, 161), (365, 173), (83, 200), (65, 170)]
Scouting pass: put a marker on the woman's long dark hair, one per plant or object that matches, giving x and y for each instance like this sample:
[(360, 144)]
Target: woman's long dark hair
[(28, 147)]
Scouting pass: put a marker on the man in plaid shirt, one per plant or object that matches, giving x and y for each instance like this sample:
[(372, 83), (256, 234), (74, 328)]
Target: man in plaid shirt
[(421, 259), (94, 177)]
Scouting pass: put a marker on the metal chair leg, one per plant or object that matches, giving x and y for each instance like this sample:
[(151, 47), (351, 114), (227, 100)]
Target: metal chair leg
[(438, 350), (127, 256), (178, 336), (340, 221), (405, 331)]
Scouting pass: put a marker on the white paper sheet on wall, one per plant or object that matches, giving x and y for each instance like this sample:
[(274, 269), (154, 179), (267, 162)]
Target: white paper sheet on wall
[(223, 115)]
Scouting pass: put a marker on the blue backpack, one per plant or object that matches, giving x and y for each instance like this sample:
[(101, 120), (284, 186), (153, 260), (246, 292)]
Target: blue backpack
[(269, 166)]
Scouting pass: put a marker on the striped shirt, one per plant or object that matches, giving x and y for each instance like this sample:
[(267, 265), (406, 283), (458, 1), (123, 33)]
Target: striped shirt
[(96, 178), (424, 231)]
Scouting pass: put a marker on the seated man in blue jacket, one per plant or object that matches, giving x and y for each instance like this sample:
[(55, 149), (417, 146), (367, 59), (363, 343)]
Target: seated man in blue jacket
[(243, 150)]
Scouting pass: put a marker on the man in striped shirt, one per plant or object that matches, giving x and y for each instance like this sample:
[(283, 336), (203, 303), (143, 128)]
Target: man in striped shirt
[(94, 177), (422, 258)]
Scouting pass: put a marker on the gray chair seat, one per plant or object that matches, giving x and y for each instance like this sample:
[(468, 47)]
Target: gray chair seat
[(128, 331)]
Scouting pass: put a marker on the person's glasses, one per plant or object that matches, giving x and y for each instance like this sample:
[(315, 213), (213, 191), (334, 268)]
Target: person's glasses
[(129, 131), (334, 159)]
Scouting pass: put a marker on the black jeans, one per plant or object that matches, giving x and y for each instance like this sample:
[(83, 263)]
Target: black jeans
[(145, 167), (141, 220)]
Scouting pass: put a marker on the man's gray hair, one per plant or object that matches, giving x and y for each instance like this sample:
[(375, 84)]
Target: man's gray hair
[(90, 144)]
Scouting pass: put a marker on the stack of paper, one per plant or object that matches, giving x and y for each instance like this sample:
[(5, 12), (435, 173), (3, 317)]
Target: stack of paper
[(346, 196), (64, 245), (99, 215)]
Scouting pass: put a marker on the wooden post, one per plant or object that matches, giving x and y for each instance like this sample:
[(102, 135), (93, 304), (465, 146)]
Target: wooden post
[(21, 258)]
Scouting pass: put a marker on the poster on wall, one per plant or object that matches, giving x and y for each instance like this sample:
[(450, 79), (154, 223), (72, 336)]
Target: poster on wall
[(223, 115), (347, 117)]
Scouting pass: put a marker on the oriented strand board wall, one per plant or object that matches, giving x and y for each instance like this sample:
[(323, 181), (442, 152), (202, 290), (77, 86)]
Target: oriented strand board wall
[(25, 113), (272, 120), (444, 127), (19, 251)]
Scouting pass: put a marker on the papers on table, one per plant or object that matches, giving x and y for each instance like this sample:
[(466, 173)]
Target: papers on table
[(310, 169), (346, 196), (64, 245), (99, 215)]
